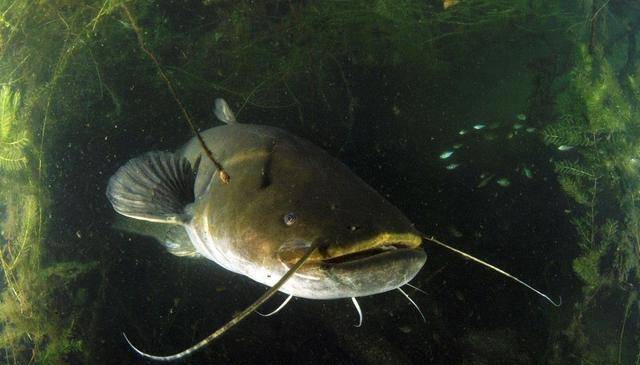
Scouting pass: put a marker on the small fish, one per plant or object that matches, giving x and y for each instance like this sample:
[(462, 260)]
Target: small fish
[(527, 172), (479, 126), (485, 180), (517, 126), (521, 117), (446, 154), (462, 132), (503, 181), (564, 147), (530, 130), (452, 166), (457, 146)]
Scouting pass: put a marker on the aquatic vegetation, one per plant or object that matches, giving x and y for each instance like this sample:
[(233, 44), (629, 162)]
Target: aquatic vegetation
[(12, 139), (599, 126), (35, 327), (41, 300)]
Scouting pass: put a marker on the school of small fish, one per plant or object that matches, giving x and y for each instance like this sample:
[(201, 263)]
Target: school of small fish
[(488, 132)]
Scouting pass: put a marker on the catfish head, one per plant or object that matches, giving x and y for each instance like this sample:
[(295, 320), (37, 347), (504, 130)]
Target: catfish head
[(292, 194)]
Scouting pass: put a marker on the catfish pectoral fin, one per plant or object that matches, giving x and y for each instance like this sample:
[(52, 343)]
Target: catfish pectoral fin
[(155, 187)]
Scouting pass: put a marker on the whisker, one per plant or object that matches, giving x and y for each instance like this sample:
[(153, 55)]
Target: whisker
[(355, 303), (497, 269), (414, 304), (277, 309), (428, 279), (435, 273), (237, 318), (416, 288), (131, 345)]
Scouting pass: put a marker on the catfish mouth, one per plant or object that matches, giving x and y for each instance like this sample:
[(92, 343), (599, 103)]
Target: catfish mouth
[(370, 265), (373, 248), (368, 253)]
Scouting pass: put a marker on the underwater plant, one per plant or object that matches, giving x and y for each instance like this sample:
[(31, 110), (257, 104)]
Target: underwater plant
[(35, 327), (12, 139), (41, 300), (598, 167)]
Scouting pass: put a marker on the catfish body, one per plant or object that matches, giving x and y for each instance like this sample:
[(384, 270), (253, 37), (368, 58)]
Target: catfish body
[(284, 193)]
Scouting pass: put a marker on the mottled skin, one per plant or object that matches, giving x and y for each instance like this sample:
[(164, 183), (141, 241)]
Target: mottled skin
[(240, 225)]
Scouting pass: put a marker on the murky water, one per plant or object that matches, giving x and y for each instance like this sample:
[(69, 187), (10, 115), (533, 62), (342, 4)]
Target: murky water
[(507, 129)]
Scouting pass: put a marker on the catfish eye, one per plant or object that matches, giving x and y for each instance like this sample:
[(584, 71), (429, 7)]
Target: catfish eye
[(290, 218)]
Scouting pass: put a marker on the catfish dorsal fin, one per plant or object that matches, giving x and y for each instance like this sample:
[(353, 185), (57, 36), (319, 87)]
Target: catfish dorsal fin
[(154, 187), (223, 112)]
